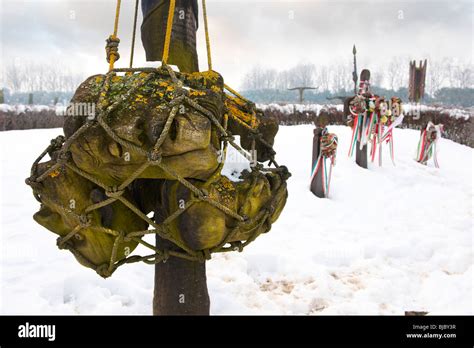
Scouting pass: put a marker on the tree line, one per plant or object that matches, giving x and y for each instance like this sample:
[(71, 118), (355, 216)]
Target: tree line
[(441, 73), (28, 76)]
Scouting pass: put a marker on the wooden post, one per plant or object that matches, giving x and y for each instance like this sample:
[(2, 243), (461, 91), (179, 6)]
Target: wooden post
[(180, 287), (30, 99), (2, 96), (301, 92), (361, 155), (317, 183)]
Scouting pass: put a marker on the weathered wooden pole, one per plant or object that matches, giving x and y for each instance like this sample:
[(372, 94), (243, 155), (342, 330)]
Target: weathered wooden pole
[(317, 182), (417, 79), (361, 152), (361, 155), (354, 72), (180, 285)]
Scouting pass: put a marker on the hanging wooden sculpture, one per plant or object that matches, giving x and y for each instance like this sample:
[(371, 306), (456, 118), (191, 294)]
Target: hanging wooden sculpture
[(169, 128)]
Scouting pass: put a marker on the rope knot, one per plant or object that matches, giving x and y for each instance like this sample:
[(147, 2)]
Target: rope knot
[(165, 255), (180, 94), (63, 245), (31, 181), (227, 138), (63, 157), (284, 173), (237, 246), (204, 194), (111, 48), (256, 168), (255, 135), (57, 142), (103, 270), (270, 209), (114, 192), (85, 221), (155, 156), (204, 255)]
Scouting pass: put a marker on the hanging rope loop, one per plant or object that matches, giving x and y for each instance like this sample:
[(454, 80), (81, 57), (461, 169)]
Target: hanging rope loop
[(111, 49), (169, 29), (113, 41)]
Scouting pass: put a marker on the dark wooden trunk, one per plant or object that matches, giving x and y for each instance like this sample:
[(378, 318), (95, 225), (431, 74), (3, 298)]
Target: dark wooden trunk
[(361, 155), (317, 183), (180, 287), (182, 51)]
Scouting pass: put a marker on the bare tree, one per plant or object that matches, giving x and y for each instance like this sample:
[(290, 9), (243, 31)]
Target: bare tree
[(395, 72), (13, 77), (377, 76), (323, 78), (252, 80), (436, 76), (463, 76), (336, 77), (30, 77), (450, 66), (303, 75)]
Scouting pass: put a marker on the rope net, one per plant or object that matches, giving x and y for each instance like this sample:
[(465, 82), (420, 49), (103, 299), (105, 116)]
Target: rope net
[(91, 200)]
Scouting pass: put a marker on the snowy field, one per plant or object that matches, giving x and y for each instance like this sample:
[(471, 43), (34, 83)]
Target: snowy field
[(388, 240)]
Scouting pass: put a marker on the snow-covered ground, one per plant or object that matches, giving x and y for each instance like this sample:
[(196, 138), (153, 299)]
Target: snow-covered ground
[(388, 240)]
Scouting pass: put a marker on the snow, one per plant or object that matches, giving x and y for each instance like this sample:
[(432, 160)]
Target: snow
[(388, 240), (235, 163), (21, 108), (291, 108)]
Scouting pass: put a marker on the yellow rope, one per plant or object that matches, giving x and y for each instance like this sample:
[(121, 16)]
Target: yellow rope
[(235, 93), (169, 28), (208, 41), (114, 35)]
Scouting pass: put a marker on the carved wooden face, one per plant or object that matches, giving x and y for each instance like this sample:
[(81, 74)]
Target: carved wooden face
[(64, 196), (114, 149), (203, 226), (189, 147)]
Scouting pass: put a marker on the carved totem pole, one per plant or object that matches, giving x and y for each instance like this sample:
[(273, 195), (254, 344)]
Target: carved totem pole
[(416, 85)]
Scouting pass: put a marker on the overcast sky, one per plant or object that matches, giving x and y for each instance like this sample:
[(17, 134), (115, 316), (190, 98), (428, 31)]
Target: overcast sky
[(275, 34)]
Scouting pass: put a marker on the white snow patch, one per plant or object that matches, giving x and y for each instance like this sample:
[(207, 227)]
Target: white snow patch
[(388, 240), (21, 108), (235, 163), (291, 108)]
